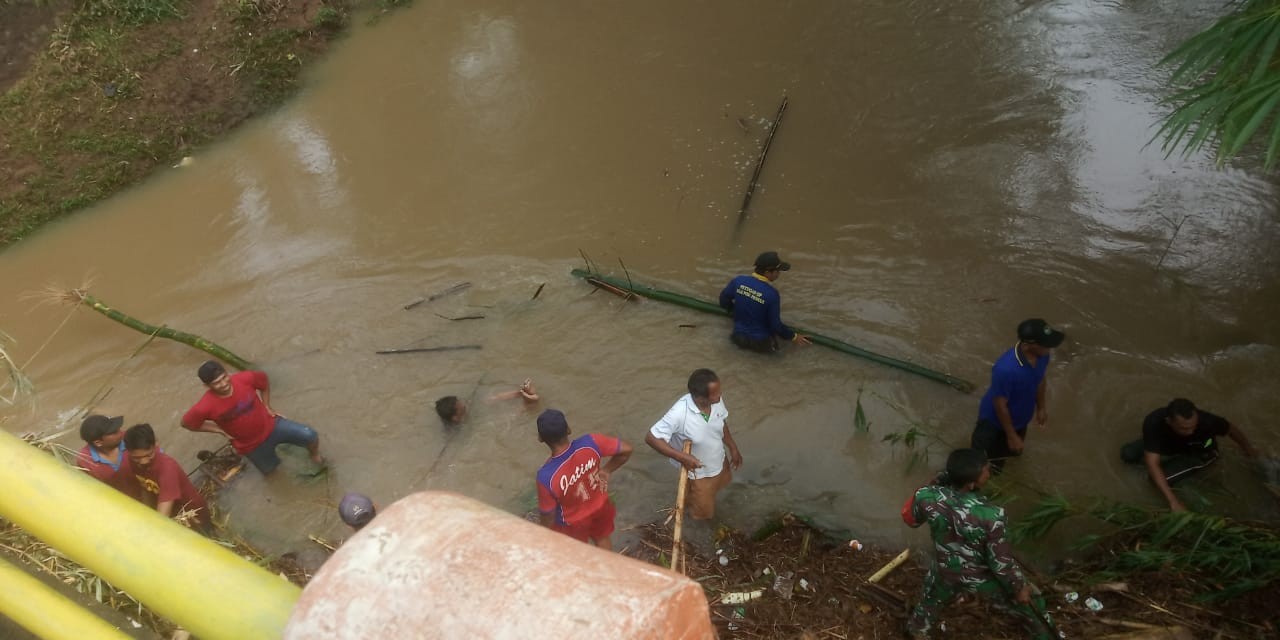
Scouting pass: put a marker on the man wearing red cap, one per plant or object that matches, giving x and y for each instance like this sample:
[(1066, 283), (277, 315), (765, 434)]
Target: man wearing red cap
[(756, 306)]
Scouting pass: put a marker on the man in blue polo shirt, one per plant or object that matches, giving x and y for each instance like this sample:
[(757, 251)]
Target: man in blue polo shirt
[(1016, 394), (757, 307)]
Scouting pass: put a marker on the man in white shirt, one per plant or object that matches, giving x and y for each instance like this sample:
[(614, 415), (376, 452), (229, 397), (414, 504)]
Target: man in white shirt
[(699, 417)]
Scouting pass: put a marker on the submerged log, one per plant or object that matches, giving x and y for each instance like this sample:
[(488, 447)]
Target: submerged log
[(964, 386), (459, 347), (191, 340), (755, 176), (461, 286)]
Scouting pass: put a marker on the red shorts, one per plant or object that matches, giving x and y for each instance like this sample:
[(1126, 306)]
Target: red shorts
[(598, 525)]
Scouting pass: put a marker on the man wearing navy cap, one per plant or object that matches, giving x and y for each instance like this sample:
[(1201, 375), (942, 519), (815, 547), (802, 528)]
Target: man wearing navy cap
[(573, 484), (1016, 394), (756, 306)]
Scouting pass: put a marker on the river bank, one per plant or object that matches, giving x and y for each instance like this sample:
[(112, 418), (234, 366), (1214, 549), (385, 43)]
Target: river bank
[(98, 94)]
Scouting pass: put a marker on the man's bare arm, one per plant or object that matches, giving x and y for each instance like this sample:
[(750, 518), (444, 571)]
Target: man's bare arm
[(1152, 462)]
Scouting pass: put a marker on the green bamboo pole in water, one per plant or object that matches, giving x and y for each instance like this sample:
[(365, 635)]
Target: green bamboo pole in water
[(690, 302), (211, 348)]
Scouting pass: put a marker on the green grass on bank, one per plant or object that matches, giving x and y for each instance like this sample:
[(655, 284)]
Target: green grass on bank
[(124, 87)]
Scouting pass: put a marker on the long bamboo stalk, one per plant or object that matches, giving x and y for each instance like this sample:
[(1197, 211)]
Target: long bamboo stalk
[(677, 554), (191, 340), (755, 177), (705, 306)]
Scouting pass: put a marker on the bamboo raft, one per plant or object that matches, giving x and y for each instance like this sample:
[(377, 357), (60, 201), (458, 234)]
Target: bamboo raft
[(625, 285)]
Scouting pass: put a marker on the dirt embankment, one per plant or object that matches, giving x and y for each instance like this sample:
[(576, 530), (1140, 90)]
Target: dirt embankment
[(99, 93), (790, 580)]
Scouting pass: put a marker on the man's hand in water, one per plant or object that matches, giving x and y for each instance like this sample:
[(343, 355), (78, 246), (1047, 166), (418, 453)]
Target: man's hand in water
[(527, 391)]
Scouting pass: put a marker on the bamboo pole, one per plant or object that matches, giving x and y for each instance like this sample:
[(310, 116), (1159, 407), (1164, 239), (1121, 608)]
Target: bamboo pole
[(959, 384), (191, 340), (459, 347), (677, 554), (888, 568), (461, 286), (755, 177)]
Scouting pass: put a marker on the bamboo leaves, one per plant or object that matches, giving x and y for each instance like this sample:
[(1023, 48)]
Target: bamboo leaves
[(1240, 556), (1230, 83), (860, 422)]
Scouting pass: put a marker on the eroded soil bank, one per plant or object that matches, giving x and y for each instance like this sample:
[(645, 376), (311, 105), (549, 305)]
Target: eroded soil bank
[(99, 93)]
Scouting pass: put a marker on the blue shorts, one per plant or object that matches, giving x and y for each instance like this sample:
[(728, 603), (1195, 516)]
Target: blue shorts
[(285, 432)]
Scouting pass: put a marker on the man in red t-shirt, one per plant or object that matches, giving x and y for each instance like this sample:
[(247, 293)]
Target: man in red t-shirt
[(573, 487), (162, 482), (238, 406), (103, 455)]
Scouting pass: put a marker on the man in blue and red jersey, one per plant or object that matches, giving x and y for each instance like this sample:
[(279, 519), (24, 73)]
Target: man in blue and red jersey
[(573, 485), (1016, 394), (103, 455), (756, 306), (238, 406)]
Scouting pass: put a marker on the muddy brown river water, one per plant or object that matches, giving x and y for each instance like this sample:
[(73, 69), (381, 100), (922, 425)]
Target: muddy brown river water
[(944, 171)]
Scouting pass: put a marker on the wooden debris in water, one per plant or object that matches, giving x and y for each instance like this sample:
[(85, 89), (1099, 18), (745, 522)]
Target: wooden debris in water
[(764, 153), (460, 317), (621, 293), (323, 543), (461, 286), (459, 347), (538, 292)]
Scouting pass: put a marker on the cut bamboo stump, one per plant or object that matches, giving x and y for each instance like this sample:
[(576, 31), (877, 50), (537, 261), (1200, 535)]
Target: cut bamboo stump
[(677, 556), (888, 568)]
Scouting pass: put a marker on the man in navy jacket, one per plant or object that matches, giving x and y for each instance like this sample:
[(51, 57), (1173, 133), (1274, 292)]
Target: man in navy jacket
[(757, 306)]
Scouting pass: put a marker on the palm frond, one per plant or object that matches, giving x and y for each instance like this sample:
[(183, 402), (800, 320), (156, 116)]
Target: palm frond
[(1227, 81)]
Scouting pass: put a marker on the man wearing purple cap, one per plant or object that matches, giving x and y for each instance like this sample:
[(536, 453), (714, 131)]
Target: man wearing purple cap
[(356, 510), (1016, 394), (756, 306), (573, 485)]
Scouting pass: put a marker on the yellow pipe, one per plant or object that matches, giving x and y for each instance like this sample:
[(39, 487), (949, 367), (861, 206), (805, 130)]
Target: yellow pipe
[(174, 571), (46, 613)]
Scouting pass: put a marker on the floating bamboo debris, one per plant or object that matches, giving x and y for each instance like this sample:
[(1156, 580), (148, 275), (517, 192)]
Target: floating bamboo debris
[(461, 286), (460, 317), (625, 294), (458, 347), (329, 546), (690, 302), (191, 340), (538, 292), (764, 152)]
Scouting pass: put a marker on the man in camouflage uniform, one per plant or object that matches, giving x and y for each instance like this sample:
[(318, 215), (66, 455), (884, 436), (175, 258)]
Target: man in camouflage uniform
[(972, 553)]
